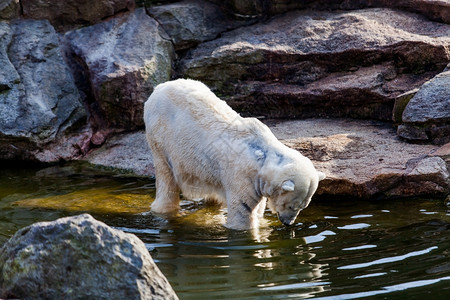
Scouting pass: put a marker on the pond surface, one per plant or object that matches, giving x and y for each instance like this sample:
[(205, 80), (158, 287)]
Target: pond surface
[(397, 249)]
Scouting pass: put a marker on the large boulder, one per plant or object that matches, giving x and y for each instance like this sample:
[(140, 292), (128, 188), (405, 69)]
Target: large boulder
[(39, 100), (79, 258), (190, 22), (427, 115), (310, 64), (70, 13), (124, 59)]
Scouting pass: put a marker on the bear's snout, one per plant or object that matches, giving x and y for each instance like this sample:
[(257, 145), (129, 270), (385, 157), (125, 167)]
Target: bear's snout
[(287, 219)]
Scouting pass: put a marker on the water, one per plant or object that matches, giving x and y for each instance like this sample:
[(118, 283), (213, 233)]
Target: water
[(396, 249)]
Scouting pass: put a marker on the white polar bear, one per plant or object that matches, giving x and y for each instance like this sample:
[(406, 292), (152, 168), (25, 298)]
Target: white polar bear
[(204, 149)]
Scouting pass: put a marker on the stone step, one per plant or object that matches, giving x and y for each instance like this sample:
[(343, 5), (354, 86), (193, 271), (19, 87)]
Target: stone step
[(296, 63)]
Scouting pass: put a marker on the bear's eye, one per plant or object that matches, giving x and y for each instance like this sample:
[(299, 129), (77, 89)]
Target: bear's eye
[(293, 208)]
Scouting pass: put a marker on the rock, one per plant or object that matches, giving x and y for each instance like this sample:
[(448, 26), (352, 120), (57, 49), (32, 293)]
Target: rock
[(362, 159), (190, 22), (424, 175), (9, 9), (124, 58), (70, 146), (38, 98), (437, 10), (427, 115), (431, 103), (250, 9), (330, 64), (444, 153), (71, 13), (128, 152), (10, 90), (79, 258), (412, 133), (400, 104)]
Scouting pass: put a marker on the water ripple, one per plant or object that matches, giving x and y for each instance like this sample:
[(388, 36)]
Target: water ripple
[(137, 230), (294, 286), (344, 250), (354, 226), (359, 247), (318, 237), (388, 289), (388, 259), (370, 275), (361, 216)]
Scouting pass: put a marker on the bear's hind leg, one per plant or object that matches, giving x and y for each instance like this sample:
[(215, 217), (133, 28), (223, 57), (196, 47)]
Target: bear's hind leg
[(167, 191)]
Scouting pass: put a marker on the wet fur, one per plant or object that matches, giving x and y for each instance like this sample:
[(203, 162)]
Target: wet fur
[(204, 149)]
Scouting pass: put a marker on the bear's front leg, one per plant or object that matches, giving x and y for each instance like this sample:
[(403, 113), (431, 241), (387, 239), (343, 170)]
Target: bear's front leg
[(242, 212), (261, 207)]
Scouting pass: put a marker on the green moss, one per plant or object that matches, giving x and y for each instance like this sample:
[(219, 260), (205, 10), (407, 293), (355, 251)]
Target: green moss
[(400, 104), (97, 200)]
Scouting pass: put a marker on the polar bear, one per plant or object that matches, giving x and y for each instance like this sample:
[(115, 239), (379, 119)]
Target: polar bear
[(202, 148)]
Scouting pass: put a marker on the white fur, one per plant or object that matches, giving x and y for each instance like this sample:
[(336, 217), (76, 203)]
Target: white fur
[(202, 148)]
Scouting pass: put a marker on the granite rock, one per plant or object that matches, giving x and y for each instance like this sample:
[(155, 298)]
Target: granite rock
[(123, 59), (362, 159), (39, 100), (68, 14), (426, 117), (79, 258), (322, 64)]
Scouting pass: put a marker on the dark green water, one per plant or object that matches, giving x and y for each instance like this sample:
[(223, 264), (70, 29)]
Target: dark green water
[(337, 249)]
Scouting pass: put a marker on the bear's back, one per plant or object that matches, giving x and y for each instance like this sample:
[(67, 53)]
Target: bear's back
[(194, 98)]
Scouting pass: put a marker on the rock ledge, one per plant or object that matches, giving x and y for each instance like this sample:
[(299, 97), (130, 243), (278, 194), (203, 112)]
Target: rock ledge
[(362, 159)]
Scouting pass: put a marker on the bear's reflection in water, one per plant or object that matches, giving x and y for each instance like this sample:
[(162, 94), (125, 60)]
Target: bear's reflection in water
[(200, 254)]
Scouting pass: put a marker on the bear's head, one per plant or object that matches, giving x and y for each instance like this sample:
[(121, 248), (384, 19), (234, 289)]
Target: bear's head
[(289, 187)]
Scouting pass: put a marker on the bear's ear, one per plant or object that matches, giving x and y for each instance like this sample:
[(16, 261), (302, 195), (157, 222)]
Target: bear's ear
[(321, 175), (288, 186)]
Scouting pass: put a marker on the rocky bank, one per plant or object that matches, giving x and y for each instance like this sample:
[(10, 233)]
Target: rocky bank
[(360, 87)]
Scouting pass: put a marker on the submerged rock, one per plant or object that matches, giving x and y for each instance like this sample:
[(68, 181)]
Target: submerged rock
[(322, 64), (79, 258)]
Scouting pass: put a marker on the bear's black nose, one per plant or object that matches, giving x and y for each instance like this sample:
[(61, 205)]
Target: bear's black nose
[(287, 221)]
